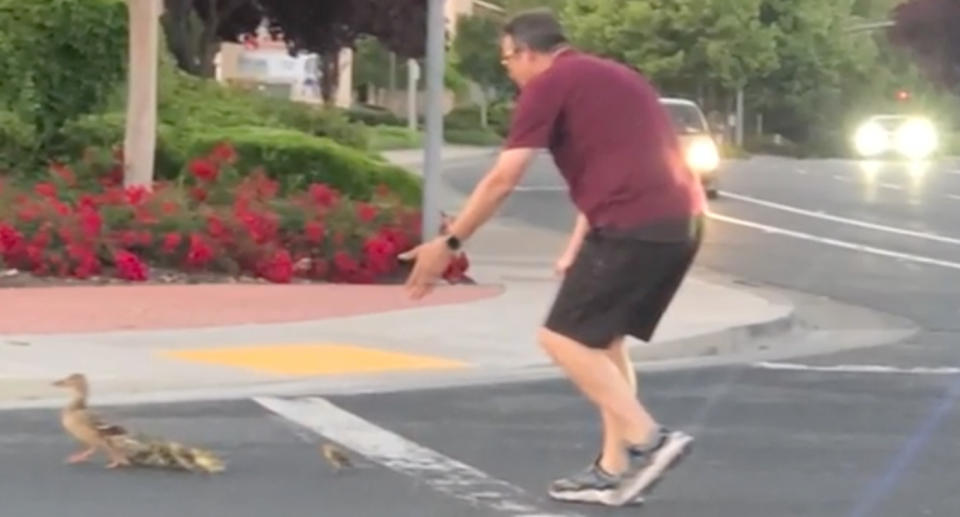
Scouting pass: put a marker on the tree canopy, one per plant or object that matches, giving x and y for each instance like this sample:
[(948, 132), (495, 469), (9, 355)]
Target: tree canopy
[(929, 29)]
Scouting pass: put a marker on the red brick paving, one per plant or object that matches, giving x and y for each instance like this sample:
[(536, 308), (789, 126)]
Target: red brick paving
[(48, 310)]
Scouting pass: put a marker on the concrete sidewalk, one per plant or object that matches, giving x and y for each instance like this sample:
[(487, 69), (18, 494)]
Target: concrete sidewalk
[(460, 334), (158, 343)]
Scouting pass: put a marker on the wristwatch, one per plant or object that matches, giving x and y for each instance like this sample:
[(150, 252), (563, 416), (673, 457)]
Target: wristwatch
[(453, 242)]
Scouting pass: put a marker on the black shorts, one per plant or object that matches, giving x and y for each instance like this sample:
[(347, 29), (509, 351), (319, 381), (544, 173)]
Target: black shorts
[(620, 286)]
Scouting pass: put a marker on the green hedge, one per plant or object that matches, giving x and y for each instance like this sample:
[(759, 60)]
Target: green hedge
[(468, 118), (60, 59), (17, 143), (107, 130), (297, 159), (194, 103), (385, 138), (478, 137), (374, 116)]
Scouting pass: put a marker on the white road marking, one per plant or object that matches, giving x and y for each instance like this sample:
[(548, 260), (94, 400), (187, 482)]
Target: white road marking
[(440, 472), (801, 171), (841, 178), (908, 257), (859, 368), (953, 197), (839, 219), (891, 186)]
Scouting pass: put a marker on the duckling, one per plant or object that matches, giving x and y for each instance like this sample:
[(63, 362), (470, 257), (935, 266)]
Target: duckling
[(123, 447), (86, 427), (336, 456)]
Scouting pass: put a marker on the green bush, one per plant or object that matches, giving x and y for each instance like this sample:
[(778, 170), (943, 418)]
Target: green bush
[(16, 144), (478, 137), (60, 59), (107, 130), (297, 159), (374, 116), (499, 117), (463, 117), (468, 117), (385, 138)]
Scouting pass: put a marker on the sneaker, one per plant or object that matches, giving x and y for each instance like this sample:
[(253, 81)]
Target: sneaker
[(591, 485), (648, 464)]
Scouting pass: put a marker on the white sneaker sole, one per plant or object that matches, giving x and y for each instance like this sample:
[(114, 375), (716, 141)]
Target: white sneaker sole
[(604, 497), (668, 457)]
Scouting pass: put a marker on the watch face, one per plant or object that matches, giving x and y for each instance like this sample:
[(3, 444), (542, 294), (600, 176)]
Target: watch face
[(453, 243)]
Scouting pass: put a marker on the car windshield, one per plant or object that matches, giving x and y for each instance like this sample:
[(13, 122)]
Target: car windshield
[(687, 118), (889, 122)]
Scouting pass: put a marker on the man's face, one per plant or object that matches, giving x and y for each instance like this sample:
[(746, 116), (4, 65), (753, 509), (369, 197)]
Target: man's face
[(518, 62)]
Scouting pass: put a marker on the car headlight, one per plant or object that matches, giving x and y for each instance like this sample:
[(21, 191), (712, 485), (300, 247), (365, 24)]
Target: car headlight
[(703, 156), (916, 138), (870, 139)]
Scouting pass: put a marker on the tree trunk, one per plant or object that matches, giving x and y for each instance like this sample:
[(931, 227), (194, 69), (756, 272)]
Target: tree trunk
[(180, 37), (330, 66), (141, 124)]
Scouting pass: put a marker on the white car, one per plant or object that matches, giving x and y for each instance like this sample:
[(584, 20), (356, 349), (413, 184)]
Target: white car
[(910, 137), (699, 147)]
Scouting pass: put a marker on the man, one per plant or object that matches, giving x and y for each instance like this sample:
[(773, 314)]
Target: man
[(638, 230)]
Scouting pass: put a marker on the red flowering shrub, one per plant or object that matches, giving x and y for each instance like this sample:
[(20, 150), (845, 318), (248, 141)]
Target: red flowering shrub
[(82, 223)]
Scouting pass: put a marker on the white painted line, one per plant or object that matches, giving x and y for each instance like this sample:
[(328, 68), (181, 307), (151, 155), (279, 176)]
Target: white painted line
[(953, 197), (891, 186), (801, 171), (836, 242), (859, 368), (440, 472), (838, 219), (841, 178)]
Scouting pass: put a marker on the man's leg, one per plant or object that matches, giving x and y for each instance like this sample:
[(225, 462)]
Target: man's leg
[(613, 458), (601, 380)]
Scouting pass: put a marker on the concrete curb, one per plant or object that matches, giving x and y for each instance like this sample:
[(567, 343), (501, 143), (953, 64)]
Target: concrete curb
[(728, 342)]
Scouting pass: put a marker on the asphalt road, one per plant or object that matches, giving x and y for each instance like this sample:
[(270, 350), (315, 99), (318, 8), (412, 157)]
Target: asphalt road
[(855, 434)]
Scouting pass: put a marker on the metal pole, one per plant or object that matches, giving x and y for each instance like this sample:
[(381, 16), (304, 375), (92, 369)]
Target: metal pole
[(433, 137), (413, 75)]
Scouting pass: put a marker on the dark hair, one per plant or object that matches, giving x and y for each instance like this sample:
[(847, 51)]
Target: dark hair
[(537, 30)]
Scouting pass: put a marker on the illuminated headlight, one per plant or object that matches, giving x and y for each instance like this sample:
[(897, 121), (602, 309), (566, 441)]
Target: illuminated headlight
[(871, 140), (916, 138), (702, 156)]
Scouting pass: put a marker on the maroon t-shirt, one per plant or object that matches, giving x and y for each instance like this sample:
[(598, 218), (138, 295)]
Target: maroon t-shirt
[(612, 141)]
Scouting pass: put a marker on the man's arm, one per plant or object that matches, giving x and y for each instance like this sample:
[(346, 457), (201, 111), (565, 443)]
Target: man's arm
[(492, 190), (580, 229)]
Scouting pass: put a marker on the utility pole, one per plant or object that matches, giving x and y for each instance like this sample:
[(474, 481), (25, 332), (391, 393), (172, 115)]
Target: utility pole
[(433, 137)]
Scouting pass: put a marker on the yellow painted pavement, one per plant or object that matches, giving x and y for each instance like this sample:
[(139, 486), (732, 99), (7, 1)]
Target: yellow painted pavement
[(311, 359)]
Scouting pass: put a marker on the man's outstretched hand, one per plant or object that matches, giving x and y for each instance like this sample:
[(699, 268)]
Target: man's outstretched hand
[(430, 260)]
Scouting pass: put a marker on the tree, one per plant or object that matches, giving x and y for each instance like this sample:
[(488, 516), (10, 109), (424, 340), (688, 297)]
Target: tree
[(928, 29), (680, 44), (194, 28), (325, 27), (478, 58)]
